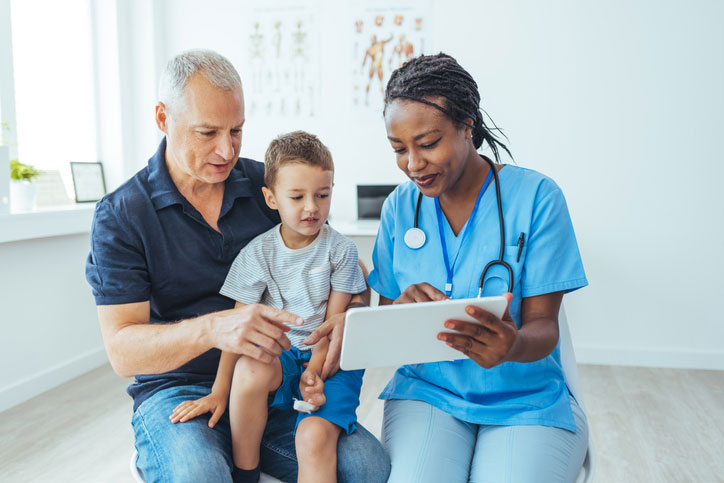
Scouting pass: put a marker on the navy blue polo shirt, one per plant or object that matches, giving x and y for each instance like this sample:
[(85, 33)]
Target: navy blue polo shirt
[(148, 243)]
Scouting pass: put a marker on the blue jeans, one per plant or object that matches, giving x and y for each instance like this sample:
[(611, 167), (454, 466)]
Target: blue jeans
[(193, 452), (428, 445)]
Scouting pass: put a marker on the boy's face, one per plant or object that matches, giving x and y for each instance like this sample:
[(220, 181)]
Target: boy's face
[(302, 194)]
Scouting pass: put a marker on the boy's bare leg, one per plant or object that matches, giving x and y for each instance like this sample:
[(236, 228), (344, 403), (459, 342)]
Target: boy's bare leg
[(316, 444), (250, 387)]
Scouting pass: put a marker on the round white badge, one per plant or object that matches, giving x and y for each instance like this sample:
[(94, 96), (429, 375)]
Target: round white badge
[(414, 238)]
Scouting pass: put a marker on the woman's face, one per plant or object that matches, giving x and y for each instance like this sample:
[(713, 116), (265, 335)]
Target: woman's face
[(430, 149)]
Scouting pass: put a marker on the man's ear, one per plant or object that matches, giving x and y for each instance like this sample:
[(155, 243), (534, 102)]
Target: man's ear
[(162, 117), (271, 202)]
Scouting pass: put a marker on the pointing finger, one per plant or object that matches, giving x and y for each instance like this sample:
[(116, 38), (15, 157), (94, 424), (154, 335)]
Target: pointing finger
[(279, 317)]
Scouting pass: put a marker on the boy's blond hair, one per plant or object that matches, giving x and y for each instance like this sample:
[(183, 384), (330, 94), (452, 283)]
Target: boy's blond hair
[(295, 147)]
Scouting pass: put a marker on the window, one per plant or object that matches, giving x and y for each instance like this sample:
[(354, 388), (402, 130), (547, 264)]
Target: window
[(54, 115)]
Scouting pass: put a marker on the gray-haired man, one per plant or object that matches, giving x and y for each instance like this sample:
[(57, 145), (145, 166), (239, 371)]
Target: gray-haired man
[(161, 247)]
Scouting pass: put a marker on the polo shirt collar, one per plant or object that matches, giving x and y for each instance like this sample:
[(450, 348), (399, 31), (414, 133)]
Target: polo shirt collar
[(165, 193)]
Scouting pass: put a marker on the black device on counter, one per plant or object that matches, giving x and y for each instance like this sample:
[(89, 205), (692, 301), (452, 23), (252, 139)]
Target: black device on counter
[(370, 198)]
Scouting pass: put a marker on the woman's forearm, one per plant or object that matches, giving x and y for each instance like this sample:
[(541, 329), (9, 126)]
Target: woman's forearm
[(534, 341)]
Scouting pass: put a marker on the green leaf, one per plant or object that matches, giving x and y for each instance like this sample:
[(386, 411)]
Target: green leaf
[(20, 171)]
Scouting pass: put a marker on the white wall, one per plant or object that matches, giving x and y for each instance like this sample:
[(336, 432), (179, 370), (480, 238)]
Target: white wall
[(620, 102), (48, 320)]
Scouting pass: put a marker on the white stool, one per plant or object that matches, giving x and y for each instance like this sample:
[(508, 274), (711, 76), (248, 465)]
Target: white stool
[(570, 373), (139, 478)]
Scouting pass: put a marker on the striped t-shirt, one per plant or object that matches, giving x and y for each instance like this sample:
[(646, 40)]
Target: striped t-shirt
[(297, 280)]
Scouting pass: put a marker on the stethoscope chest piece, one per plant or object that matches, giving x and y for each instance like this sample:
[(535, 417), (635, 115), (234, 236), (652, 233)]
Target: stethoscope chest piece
[(414, 238)]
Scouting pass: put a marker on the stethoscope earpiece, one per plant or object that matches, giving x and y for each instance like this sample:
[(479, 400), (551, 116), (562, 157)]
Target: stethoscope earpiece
[(414, 238)]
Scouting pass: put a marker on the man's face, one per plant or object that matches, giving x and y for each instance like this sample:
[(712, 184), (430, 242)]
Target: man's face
[(203, 134)]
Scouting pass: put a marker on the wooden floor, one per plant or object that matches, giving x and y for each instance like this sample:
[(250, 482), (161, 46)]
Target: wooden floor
[(648, 425)]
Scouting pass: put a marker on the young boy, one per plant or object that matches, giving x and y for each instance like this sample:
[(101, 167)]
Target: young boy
[(305, 267)]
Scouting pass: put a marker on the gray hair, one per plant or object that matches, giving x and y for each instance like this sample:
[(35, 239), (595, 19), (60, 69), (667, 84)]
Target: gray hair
[(214, 67)]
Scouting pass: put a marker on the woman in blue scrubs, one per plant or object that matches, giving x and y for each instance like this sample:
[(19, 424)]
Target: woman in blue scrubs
[(504, 414)]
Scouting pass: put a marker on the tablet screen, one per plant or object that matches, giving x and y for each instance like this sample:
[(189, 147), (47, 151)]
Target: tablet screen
[(393, 335)]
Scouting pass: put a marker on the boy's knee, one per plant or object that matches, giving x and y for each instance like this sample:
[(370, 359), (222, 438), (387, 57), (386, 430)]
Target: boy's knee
[(252, 375), (316, 436)]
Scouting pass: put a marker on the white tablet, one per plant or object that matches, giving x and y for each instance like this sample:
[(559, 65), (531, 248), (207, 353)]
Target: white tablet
[(393, 335)]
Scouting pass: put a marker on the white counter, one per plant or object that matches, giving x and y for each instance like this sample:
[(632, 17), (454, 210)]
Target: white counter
[(356, 227)]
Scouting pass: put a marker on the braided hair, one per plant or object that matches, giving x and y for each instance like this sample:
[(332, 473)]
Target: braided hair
[(430, 76)]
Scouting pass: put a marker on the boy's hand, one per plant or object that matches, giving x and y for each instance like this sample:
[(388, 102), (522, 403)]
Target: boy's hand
[(311, 387), (213, 403)]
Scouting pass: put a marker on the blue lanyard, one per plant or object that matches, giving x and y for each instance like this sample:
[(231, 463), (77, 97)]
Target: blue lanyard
[(451, 269)]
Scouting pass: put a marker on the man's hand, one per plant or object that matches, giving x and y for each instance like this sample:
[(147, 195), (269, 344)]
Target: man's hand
[(257, 331)]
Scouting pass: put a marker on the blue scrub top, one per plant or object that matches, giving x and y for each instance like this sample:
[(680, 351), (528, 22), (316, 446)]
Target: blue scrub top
[(511, 393)]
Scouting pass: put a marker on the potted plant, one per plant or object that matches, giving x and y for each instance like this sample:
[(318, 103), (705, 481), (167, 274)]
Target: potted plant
[(22, 189)]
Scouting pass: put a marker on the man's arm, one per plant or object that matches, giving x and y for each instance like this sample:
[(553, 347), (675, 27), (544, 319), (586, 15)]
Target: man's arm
[(135, 346)]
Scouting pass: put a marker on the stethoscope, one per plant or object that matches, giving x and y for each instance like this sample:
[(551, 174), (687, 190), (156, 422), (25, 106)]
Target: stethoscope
[(415, 237)]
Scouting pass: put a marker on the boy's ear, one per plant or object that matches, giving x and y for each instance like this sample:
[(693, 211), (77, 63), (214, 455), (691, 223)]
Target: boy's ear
[(271, 202)]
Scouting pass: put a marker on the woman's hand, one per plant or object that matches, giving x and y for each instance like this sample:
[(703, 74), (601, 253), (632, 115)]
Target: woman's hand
[(420, 292), (488, 343)]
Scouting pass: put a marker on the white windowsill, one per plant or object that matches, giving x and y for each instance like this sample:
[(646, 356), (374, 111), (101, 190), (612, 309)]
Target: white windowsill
[(75, 219), (46, 222)]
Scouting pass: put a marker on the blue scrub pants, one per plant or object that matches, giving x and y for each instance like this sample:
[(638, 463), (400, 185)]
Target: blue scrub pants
[(427, 444), (193, 452)]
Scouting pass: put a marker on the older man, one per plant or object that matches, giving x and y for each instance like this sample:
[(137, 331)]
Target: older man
[(161, 246)]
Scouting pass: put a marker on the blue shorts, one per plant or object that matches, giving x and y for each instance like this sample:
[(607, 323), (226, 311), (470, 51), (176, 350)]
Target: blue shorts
[(341, 390)]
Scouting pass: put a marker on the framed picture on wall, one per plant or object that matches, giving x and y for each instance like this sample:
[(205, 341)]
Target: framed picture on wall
[(88, 181)]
